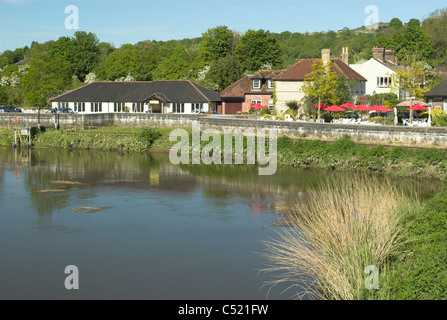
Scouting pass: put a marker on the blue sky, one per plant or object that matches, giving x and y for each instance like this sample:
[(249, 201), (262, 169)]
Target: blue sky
[(131, 21)]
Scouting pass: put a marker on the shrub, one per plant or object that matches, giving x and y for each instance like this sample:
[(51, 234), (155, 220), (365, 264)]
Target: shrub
[(439, 118)]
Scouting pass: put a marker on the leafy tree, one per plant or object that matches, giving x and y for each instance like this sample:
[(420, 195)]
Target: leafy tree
[(216, 43), (173, 66), (223, 72), (409, 81), (414, 23), (412, 44), (322, 84), (258, 49), (396, 23), (48, 72), (128, 59), (436, 27), (80, 51)]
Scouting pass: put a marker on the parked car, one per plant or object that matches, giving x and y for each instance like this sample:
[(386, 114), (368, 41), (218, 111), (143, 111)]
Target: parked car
[(9, 108), (61, 110)]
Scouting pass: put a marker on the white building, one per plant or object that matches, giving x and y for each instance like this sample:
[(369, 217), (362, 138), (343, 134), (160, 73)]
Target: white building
[(378, 71), (162, 96)]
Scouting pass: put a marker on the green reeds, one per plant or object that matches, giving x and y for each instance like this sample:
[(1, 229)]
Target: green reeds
[(345, 226)]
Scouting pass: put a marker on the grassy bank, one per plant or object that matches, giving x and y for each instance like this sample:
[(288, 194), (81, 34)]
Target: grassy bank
[(344, 154), (419, 272)]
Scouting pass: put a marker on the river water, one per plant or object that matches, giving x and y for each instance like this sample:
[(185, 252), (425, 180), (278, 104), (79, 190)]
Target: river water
[(137, 227)]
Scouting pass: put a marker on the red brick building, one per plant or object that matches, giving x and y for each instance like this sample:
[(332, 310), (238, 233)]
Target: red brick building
[(249, 90)]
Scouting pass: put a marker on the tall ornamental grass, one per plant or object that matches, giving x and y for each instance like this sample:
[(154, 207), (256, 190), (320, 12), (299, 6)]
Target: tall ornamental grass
[(345, 226)]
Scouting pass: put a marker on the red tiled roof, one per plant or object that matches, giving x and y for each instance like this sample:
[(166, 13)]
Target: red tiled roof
[(302, 68)]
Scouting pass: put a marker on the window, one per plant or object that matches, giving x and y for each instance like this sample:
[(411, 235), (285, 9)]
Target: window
[(96, 107), (256, 84), (79, 107), (138, 107), (196, 107), (178, 108), (271, 107), (383, 82), (270, 84), (119, 107), (252, 102)]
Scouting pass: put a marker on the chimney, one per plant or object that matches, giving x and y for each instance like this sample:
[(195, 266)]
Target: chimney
[(326, 55), (345, 55), (390, 56), (378, 53)]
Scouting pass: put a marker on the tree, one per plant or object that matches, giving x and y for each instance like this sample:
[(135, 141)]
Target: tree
[(223, 72), (436, 27), (258, 49), (321, 85), (396, 23), (80, 51), (128, 59), (216, 43), (48, 72), (412, 44), (409, 81), (173, 66)]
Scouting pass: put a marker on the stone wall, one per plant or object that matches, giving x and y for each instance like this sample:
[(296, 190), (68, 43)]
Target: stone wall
[(388, 135)]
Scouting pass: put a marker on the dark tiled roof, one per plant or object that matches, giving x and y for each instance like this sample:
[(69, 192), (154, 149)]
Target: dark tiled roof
[(140, 91), (244, 85), (438, 91), (302, 68)]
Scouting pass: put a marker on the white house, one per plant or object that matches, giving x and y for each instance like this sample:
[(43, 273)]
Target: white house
[(161, 96), (378, 71)]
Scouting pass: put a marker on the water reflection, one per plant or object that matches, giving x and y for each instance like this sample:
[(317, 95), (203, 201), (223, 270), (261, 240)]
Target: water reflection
[(139, 227)]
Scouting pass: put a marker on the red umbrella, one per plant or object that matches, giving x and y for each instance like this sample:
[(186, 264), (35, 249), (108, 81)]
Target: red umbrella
[(257, 106), (322, 106), (334, 108), (361, 107), (380, 108), (417, 107), (348, 105)]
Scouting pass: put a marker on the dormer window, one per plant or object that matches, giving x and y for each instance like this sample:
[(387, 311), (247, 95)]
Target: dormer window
[(256, 84), (270, 84)]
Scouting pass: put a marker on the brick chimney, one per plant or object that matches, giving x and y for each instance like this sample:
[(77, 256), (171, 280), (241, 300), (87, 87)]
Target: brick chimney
[(378, 53), (345, 55), (326, 55), (390, 56)]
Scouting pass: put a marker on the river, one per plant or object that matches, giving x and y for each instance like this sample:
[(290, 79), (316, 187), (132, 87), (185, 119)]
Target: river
[(137, 227)]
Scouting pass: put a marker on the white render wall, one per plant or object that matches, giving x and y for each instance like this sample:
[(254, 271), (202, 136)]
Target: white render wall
[(109, 107), (287, 91), (370, 70)]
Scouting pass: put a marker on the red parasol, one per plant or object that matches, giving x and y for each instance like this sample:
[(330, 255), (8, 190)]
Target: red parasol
[(380, 108), (257, 106), (334, 108), (417, 107)]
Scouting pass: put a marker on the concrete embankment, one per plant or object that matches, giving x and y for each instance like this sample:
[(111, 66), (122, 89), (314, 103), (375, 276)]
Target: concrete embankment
[(366, 134)]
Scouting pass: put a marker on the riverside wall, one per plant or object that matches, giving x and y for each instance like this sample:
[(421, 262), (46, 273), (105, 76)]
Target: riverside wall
[(368, 134)]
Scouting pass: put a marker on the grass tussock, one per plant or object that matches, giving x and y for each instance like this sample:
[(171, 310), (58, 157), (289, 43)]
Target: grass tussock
[(344, 227)]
